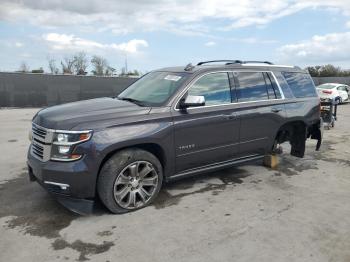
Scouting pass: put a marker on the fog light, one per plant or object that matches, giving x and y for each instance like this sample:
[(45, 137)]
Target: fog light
[(63, 149)]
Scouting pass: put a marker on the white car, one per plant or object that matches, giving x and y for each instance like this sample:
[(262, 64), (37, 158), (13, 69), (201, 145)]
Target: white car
[(338, 92)]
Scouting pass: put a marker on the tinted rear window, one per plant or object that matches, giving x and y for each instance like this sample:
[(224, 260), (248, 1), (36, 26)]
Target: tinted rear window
[(301, 84)]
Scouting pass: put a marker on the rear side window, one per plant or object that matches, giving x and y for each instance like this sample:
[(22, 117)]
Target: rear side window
[(214, 87), (271, 80), (301, 84), (283, 84), (251, 86), (343, 88)]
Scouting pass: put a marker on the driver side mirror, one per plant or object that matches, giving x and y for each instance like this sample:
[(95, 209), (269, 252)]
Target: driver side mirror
[(192, 101)]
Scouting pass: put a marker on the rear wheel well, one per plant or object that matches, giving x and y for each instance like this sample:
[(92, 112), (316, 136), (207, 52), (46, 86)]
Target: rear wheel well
[(296, 133), (288, 130)]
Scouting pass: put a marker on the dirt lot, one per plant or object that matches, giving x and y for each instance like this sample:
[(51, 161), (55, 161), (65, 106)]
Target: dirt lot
[(298, 212)]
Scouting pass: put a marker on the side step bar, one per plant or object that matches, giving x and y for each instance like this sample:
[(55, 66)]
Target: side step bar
[(214, 167)]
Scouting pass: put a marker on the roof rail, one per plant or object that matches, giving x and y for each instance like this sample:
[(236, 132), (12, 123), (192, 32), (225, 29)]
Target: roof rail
[(230, 62), (257, 62), (216, 61)]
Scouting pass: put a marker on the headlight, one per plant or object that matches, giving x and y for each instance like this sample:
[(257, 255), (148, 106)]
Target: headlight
[(61, 138), (64, 142)]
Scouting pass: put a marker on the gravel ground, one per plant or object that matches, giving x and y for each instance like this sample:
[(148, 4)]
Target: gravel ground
[(296, 212)]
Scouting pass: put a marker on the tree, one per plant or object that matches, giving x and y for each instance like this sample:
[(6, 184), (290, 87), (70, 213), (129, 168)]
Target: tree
[(109, 71), (329, 70), (52, 65), (100, 65), (313, 71), (67, 65), (80, 63), (23, 67)]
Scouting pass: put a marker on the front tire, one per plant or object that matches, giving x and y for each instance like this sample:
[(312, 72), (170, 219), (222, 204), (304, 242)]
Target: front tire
[(129, 180)]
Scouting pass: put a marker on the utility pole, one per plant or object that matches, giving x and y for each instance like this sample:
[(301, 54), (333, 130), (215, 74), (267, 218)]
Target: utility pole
[(126, 63)]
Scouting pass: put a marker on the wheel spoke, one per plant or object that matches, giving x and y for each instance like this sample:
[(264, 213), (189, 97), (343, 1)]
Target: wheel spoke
[(133, 169), (122, 179), (143, 194), (132, 199), (152, 181), (146, 170), (122, 193)]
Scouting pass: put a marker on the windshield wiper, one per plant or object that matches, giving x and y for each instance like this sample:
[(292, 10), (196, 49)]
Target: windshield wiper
[(129, 99)]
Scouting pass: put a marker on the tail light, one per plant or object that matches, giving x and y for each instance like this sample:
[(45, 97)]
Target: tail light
[(327, 91)]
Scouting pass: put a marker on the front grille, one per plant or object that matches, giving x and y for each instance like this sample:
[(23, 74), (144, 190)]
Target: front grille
[(39, 131), (38, 150), (41, 142)]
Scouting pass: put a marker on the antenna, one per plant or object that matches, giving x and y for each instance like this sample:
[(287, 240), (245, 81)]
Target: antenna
[(189, 67)]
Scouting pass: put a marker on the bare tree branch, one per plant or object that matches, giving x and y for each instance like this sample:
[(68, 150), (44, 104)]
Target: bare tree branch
[(80, 63), (67, 65), (100, 65), (23, 67), (52, 65)]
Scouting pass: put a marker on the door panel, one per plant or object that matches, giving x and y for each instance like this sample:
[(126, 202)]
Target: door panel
[(261, 111), (208, 134), (259, 123), (343, 93), (205, 136)]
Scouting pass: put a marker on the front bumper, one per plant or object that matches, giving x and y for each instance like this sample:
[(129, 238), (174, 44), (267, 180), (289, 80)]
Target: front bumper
[(71, 183)]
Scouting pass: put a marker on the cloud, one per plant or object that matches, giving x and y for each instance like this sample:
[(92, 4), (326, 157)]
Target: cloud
[(18, 44), (210, 43), (132, 46), (71, 42), (178, 16), (320, 48)]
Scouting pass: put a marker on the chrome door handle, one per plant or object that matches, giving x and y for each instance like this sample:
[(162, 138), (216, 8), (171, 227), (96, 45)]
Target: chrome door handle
[(230, 116), (276, 110)]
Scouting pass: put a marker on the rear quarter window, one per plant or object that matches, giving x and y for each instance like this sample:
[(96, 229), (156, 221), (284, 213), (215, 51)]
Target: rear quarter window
[(300, 84)]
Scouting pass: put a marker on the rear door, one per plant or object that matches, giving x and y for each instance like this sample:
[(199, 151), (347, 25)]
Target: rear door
[(343, 93), (208, 134), (261, 110)]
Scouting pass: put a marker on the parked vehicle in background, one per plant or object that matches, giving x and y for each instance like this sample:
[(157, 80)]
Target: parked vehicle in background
[(171, 123), (338, 92)]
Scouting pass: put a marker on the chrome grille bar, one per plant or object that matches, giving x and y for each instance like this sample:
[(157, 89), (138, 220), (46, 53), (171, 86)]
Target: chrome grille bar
[(41, 142)]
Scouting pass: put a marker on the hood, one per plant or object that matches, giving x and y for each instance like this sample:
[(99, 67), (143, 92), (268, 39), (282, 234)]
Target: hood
[(67, 116)]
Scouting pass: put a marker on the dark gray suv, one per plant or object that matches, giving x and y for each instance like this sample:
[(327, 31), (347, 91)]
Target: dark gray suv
[(172, 122)]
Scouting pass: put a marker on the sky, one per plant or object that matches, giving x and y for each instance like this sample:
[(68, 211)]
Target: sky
[(153, 34)]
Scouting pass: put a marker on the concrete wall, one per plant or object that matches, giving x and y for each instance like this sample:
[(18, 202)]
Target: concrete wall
[(38, 90), (323, 80)]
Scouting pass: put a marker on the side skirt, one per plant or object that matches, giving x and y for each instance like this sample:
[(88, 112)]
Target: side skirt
[(213, 167)]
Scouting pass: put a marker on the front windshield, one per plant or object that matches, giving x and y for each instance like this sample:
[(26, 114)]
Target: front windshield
[(154, 88), (326, 86)]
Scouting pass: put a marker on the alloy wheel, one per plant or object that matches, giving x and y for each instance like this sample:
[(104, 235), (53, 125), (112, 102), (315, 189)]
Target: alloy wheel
[(135, 185)]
